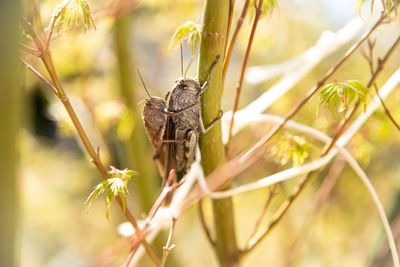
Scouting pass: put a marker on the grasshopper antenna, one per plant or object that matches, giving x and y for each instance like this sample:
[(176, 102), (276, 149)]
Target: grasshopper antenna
[(144, 85), (187, 68), (181, 59)]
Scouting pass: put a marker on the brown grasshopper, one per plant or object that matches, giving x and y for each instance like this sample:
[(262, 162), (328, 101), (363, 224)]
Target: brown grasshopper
[(185, 122), (173, 125), (155, 118)]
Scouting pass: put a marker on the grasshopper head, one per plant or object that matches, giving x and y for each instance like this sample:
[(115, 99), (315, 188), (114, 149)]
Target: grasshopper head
[(188, 84)]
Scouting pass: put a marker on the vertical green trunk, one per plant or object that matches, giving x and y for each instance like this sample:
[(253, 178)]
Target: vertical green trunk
[(212, 149), (10, 111), (138, 155)]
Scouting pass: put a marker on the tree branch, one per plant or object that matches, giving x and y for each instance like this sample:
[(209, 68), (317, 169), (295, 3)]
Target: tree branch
[(243, 69), (301, 185)]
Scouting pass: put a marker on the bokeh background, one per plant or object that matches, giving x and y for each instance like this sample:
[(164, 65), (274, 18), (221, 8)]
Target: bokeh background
[(98, 70)]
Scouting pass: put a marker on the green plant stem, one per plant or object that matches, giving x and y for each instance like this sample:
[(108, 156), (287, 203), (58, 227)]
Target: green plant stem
[(10, 119), (216, 16)]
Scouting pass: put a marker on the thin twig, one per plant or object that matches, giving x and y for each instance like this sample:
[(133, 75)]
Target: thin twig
[(369, 56), (321, 197), (301, 185), (227, 58), (228, 28), (388, 113), (271, 194), (257, 16), (53, 21), (170, 185), (40, 76), (168, 246), (204, 224)]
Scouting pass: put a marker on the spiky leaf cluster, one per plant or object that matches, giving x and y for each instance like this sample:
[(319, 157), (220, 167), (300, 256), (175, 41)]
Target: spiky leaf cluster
[(339, 96), (117, 186), (189, 31), (72, 14)]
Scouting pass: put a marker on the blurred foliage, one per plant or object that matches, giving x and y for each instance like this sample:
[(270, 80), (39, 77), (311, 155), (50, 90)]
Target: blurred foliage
[(190, 32), (57, 177), (292, 149), (72, 13)]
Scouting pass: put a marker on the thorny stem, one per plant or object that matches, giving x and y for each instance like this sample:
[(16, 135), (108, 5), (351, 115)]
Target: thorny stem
[(234, 37), (45, 56), (276, 218), (243, 69)]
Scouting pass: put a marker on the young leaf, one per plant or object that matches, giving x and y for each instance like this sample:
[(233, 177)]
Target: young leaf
[(340, 95), (117, 186), (97, 191), (72, 13), (189, 31)]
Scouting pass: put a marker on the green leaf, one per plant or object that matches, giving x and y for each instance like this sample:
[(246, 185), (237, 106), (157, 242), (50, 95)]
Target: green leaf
[(189, 31), (340, 95), (293, 149), (117, 186), (73, 13), (97, 191)]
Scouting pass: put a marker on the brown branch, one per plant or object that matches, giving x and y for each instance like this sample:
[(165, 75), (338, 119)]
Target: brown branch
[(321, 197), (232, 42), (40, 76), (370, 59), (45, 56), (272, 193), (388, 113), (243, 69), (301, 185), (204, 224), (259, 145)]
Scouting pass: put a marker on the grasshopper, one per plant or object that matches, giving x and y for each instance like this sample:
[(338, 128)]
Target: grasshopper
[(173, 124), (185, 122)]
